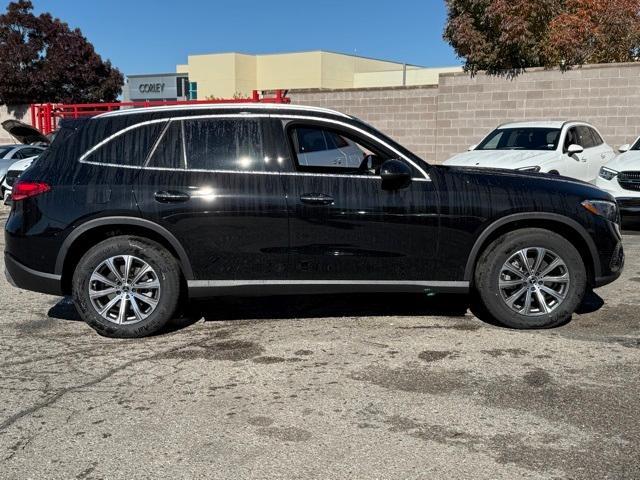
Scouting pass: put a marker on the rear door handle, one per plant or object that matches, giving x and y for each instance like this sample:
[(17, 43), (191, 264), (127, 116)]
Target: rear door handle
[(171, 196), (316, 199)]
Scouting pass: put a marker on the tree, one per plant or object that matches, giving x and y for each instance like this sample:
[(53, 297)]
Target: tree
[(43, 60), (508, 36)]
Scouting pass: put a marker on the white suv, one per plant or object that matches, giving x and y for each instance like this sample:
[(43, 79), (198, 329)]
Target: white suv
[(573, 149), (621, 178)]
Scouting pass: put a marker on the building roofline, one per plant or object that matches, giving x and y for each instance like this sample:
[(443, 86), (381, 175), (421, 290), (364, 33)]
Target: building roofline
[(140, 75), (224, 106), (308, 51)]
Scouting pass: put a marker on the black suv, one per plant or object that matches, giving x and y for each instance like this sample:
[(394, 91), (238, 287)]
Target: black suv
[(135, 212)]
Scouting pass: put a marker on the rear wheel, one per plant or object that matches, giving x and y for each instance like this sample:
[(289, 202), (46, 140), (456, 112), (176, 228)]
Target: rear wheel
[(127, 287), (531, 278)]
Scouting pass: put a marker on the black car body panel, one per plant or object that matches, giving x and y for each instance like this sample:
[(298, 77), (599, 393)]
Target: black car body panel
[(276, 227)]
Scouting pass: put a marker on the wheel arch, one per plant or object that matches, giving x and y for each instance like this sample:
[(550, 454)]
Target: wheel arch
[(564, 226), (89, 233)]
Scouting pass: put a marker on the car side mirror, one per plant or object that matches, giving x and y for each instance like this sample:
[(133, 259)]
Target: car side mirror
[(624, 148), (472, 147), (574, 149), (395, 175), (371, 164)]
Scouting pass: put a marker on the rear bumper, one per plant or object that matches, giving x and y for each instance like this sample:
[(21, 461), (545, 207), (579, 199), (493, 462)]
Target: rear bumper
[(24, 277)]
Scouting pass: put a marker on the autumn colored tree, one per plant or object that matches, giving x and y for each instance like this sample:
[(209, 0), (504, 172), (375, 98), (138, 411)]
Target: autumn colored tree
[(594, 31), (508, 36), (43, 60)]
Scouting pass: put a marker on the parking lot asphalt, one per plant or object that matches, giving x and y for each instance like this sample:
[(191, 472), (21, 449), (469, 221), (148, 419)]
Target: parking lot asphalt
[(358, 386)]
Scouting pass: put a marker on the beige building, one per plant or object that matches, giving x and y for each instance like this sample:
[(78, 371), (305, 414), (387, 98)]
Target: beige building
[(224, 75)]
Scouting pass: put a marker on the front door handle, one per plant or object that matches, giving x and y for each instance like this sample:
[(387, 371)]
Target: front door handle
[(316, 199), (171, 196)]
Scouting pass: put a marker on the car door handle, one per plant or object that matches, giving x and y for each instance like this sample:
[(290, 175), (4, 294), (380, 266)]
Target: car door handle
[(171, 196), (316, 199)]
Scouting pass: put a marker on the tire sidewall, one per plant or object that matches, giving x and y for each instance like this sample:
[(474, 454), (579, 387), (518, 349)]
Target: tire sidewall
[(157, 257), (489, 269)]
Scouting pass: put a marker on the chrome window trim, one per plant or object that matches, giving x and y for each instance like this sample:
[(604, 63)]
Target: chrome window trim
[(159, 120), (224, 106), (83, 157), (242, 172)]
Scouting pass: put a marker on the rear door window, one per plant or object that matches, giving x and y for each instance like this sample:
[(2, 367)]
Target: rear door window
[(224, 144)]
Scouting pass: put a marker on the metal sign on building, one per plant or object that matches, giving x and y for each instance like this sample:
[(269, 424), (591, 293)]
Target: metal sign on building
[(164, 86)]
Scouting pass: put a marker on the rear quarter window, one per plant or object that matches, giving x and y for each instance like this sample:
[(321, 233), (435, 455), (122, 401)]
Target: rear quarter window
[(128, 147)]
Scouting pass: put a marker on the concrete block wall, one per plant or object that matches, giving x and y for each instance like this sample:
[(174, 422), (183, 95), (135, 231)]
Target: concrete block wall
[(406, 114), (437, 123), (608, 96)]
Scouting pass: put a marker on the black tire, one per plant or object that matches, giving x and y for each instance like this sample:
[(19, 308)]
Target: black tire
[(490, 264), (157, 257)]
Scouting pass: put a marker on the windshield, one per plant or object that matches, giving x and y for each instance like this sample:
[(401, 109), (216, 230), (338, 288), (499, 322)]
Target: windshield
[(4, 151), (636, 146), (521, 139)]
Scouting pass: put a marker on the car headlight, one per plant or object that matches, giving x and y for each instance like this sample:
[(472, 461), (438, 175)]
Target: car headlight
[(607, 173), (529, 169), (602, 208)]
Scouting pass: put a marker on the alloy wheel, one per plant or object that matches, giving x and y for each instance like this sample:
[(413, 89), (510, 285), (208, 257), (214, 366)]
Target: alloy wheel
[(534, 281), (124, 289)]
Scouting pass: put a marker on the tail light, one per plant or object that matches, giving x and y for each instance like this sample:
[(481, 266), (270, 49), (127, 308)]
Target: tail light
[(25, 189)]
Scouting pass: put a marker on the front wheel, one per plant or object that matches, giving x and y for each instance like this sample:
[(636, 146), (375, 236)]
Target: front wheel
[(531, 278), (126, 287)]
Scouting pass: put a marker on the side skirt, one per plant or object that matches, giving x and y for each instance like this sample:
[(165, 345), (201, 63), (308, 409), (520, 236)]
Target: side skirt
[(215, 288)]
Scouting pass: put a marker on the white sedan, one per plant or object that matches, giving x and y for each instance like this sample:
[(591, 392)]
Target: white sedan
[(572, 149), (621, 178)]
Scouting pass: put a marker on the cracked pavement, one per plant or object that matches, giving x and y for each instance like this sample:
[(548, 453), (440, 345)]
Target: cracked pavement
[(357, 386)]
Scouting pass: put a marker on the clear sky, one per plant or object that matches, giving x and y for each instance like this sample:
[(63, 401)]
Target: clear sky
[(152, 36)]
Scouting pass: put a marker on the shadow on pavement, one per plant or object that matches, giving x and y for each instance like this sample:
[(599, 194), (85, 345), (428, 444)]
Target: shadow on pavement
[(592, 302), (304, 306), (320, 306), (64, 310)]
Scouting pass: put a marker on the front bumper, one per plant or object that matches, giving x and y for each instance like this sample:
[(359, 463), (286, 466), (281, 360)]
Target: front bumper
[(24, 277), (629, 206)]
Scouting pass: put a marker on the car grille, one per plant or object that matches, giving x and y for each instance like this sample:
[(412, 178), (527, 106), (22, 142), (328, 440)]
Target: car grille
[(12, 176), (629, 181)]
